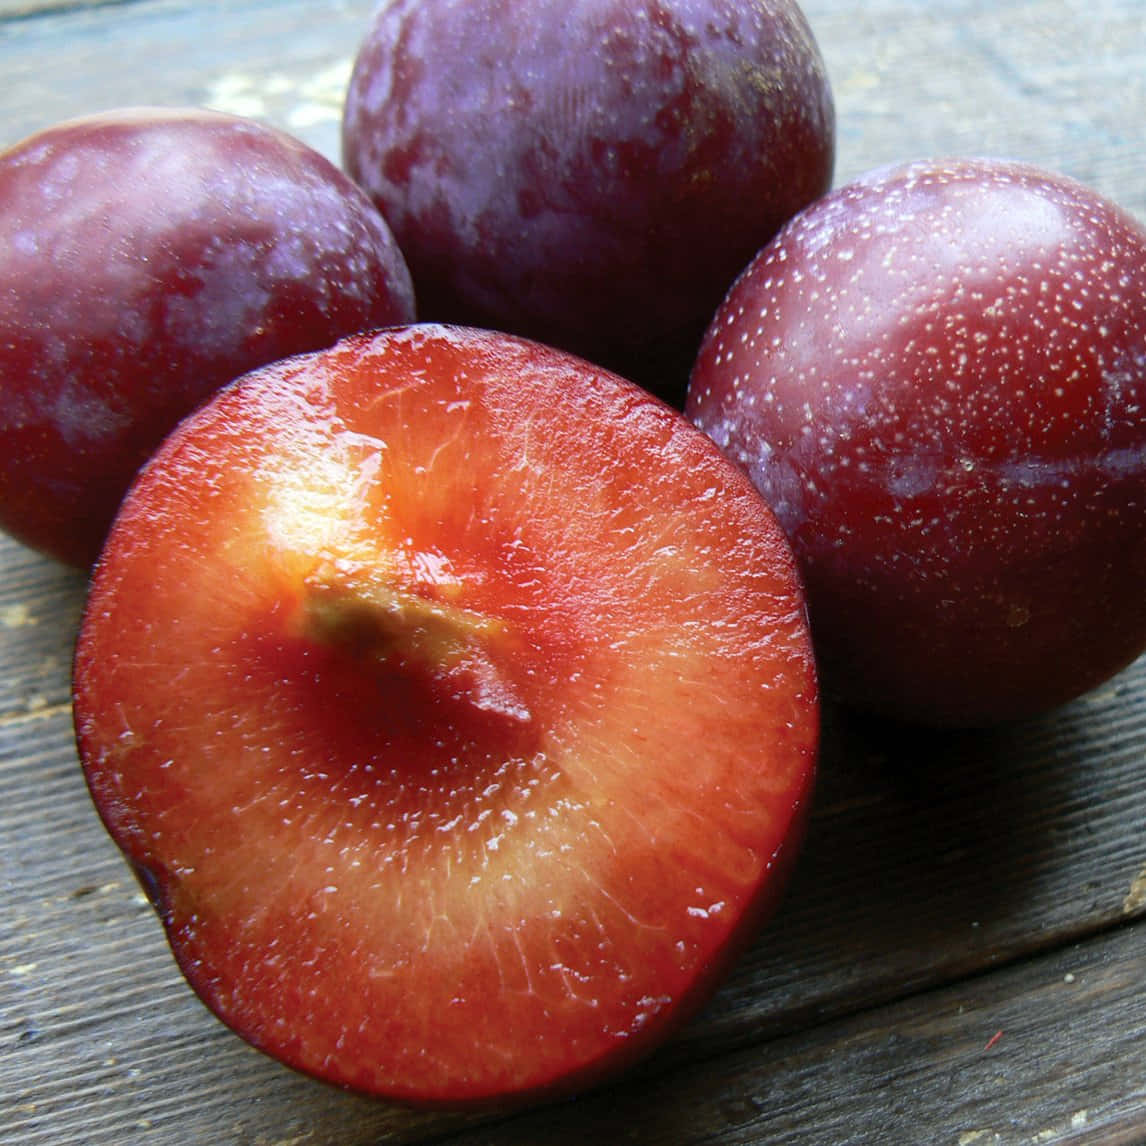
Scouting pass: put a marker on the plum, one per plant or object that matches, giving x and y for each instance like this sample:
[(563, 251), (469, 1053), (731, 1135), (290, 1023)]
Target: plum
[(456, 703), (148, 256), (936, 376), (590, 173)]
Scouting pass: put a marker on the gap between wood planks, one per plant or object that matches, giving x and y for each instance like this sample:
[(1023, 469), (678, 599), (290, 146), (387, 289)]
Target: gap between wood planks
[(666, 1065), (1113, 1131), (1133, 914), (32, 9)]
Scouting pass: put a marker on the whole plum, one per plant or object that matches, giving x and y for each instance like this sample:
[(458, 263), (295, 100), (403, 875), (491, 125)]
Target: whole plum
[(937, 377), (589, 173), (147, 257)]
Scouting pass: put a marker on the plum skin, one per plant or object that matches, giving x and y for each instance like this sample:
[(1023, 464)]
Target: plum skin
[(148, 257), (937, 378), (591, 174)]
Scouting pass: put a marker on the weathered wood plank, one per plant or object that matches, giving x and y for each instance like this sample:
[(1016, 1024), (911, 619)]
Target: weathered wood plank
[(40, 604), (1051, 1051), (21, 9), (1061, 84), (284, 61)]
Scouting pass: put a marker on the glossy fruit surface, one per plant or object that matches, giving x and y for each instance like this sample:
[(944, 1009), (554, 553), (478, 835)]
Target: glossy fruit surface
[(591, 173), (455, 702), (937, 378), (147, 257)]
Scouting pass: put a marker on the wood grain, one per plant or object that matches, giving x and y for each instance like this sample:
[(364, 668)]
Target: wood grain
[(981, 1063), (22, 9), (283, 61), (953, 886)]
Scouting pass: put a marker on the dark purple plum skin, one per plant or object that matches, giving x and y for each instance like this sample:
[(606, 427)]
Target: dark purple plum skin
[(937, 378), (148, 257), (589, 173)]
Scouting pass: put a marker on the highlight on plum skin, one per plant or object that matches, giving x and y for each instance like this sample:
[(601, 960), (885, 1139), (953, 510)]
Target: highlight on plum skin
[(594, 173), (936, 376), (455, 701), (149, 256)]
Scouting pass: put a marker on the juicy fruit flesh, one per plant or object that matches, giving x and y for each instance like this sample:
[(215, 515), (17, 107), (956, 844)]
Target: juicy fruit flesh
[(456, 713)]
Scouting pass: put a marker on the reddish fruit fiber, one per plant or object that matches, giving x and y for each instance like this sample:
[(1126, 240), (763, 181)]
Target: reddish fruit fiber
[(148, 256), (455, 701), (937, 378)]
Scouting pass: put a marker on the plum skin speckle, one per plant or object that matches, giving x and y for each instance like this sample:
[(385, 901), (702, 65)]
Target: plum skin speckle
[(937, 378)]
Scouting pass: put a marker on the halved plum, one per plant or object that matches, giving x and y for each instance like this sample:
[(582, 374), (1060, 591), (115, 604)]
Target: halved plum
[(455, 701)]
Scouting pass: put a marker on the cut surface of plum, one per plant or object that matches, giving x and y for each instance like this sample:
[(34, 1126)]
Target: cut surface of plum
[(456, 701)]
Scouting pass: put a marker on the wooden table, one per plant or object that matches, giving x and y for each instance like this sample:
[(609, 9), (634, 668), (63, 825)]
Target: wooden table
[(962, 957)]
